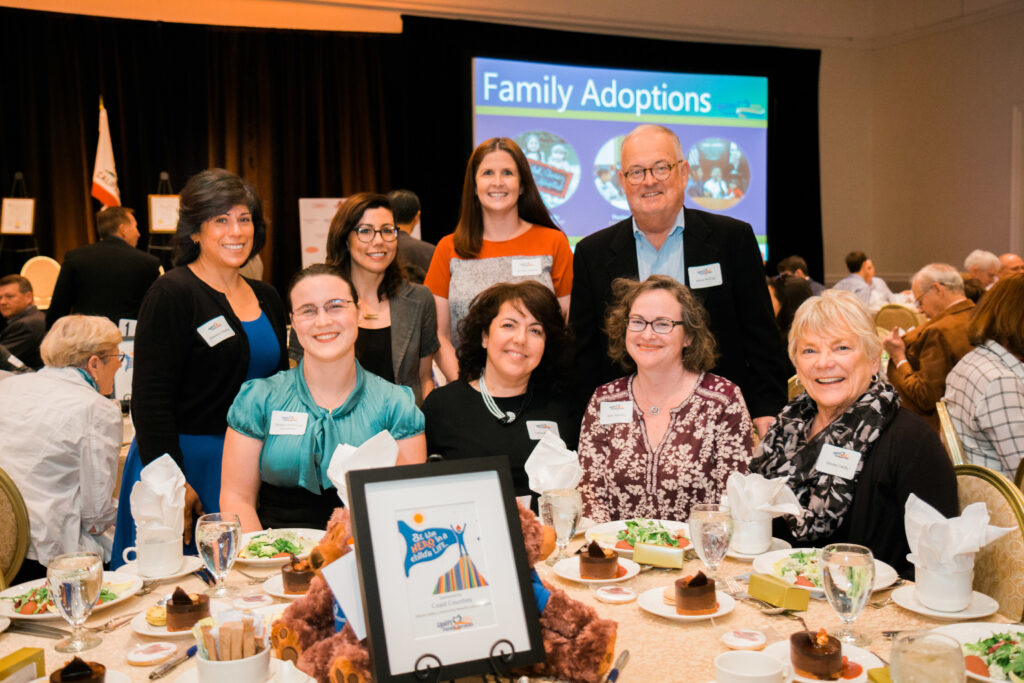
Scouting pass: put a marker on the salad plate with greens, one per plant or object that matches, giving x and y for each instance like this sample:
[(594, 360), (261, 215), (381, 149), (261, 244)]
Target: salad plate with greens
[(992, 652), (800, 567), (272, 546), (32, 600), (622, 535)]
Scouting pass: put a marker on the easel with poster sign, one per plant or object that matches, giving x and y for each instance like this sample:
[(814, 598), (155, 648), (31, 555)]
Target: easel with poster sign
[(163, 221), (17, 221)]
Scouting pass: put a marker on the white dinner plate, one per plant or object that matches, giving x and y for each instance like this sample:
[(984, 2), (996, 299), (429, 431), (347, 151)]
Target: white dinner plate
[(275, 586), (973, 632), (569, 568), (4, 623), (885, 575), (144, 628), (313, 537), (981, 605), (583, 526), (780, 650), (777, 544), (131, 587), (111, 676), (189, 564), (652, 601), (606, 534)]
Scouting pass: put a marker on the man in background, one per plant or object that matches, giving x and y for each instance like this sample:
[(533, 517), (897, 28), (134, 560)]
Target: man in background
[(796, 265), (414, 252), (108, 278), (862, 281), (983, 266), (1010, 264), (26, 324)]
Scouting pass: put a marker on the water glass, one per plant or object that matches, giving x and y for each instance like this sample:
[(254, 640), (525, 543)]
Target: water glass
[(710, 532), (561, 510), (218, 536), (924, 657), (74, 581), (848, 574)]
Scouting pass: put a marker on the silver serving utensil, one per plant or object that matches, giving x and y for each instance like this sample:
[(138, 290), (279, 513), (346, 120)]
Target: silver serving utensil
[(41, 630)]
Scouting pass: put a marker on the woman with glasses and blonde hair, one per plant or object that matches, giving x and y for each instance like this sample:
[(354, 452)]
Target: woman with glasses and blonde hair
[(666, 437), (283, 430), (60, 437)]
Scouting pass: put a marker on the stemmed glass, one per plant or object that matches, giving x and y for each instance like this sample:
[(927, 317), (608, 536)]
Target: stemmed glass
[(924, 657), (218, 537), (561, 510), (74, 581), (848, 574), (710, 531)]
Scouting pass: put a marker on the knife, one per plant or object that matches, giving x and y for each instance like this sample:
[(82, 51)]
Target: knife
[(165, 669), (41, 630)]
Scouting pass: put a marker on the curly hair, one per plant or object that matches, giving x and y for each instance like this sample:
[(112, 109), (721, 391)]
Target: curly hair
[(701, 352), (211, 193), (344, 222), (541, 303)]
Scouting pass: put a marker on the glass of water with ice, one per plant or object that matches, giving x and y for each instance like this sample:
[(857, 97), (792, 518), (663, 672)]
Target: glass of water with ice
[(561, 510), (217, 537), (925, 657), (710, 532)]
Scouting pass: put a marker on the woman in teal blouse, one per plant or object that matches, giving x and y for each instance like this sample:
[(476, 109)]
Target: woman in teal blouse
[(283, 431)]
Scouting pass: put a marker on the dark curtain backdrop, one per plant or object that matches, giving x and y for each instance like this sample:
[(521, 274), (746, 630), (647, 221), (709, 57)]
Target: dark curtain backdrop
[(313, 114)]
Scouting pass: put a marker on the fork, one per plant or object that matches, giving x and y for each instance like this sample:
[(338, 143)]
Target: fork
[(879, 604), (253, 579), (112, 624)]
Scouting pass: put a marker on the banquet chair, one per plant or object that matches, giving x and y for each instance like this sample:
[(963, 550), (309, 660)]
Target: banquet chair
[(795, 388), (999, 566), (1018, 477), (42, 272), (13, 529), (895, 315), (950, 439)]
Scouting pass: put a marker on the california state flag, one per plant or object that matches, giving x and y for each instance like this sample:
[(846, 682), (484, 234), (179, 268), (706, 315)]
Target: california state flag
[(104, 177)]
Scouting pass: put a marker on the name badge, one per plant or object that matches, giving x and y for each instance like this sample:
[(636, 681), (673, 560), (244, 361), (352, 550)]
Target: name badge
[(708, 275), (215, 331), (538, 428), (839, 462), (284, 423), (616, 412), (526, 267)]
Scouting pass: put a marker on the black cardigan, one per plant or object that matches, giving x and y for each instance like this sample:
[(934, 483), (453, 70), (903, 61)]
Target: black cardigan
[(181, 385)]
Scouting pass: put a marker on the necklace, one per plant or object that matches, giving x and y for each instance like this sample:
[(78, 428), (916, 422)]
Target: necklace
[(370, 316), (654, 410), (504, 417)]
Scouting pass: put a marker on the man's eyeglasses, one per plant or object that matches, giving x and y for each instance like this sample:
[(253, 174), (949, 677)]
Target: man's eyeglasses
[(365, 233), (660, 171), (917, 301), (661, 325), (333, 308)]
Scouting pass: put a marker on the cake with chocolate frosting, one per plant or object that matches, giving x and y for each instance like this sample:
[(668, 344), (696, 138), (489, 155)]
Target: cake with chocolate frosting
[(80, 671), (820, 657), (696, 595), (185, 609), (598, 563), (296, 576)]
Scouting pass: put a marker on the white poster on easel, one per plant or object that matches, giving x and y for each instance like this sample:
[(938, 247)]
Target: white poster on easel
[(17, 215), (314, 221), (163, 212)]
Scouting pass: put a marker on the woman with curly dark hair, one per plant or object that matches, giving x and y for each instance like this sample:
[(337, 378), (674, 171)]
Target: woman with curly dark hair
[(666, 437), (513, 363)]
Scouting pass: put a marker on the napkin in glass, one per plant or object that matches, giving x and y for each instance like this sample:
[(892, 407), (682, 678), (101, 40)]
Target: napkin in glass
[(380, 450), (552, 466), (158, 500), (751, 496), (947, 545)]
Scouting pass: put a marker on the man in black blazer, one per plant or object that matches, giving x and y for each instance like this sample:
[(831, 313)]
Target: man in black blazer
[(107, 278), (716, 256)]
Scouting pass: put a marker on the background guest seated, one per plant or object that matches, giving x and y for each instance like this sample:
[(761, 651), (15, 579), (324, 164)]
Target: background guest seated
[(26, 324), (667, 437), (836, 351), (328, 400), (787, 292), (513, 362), (60, 438)]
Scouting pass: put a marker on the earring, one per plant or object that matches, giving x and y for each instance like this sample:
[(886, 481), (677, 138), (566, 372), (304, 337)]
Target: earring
[(195, 239), (874, 378)]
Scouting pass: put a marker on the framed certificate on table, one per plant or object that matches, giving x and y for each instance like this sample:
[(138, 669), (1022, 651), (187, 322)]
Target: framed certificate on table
[(163, 213), (443, 570), (17, 216)]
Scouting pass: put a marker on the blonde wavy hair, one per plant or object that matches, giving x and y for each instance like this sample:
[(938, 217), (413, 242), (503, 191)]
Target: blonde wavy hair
[(826, 315), (74, 339)]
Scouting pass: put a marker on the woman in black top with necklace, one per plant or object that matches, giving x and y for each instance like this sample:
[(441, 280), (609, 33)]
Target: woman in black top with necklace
[(512, 362)]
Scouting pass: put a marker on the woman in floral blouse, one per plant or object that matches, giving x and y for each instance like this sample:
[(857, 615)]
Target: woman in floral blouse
[(665, 438)]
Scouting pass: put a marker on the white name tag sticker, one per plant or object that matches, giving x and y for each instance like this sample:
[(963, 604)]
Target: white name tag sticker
[(526, 267), (538, 428), (284, 423), (215, 331), (616, 412), (838, 462), (708, 275)]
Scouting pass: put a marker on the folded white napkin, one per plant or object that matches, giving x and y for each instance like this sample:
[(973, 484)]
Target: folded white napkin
[(380, 450), (947, 545), (158, 500), (751, 496), (287, 673), (552, 466)]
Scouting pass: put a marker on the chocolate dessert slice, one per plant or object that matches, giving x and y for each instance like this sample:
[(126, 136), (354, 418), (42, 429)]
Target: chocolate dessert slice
[(185, 609), (696, 595), (80, 671), (296, 576), (598, 563), (820, 657)]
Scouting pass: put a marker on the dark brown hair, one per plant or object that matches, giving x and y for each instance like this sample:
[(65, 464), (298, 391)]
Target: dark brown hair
[(344, 222), (790, 291), (321, 269), (697, 357), (210, 193), (469, 233), (999, 316), (110, 218), (542, 305)]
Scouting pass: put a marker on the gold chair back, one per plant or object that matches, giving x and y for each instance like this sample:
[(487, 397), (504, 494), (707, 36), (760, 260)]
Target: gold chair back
[(42, 272), (999, 566), (795, 388), (1018, 477), (950, 439), (894, 315), (13, 529)]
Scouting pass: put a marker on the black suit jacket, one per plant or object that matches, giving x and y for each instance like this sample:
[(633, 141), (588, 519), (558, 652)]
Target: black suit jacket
[(107, 278), (740, 310)]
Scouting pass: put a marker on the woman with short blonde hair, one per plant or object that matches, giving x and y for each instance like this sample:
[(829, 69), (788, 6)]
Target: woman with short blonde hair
[(74, 339)]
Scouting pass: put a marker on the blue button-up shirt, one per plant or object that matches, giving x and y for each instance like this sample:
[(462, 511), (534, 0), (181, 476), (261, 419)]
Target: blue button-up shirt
[(668, 260)]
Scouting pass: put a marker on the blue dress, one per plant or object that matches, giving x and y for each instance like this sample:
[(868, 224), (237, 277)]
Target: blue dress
[(202, 452)]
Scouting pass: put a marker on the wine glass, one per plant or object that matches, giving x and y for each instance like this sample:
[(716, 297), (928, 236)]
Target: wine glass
[(74, 581), (710, 531), (217, 537), (561, 510), (925, 657), (848, 574)]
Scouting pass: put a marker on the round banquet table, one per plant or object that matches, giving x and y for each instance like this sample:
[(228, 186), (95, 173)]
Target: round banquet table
[(660, 649)]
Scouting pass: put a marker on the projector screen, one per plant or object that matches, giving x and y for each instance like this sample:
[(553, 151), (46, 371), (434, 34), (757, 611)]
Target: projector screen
[(570, 121)]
